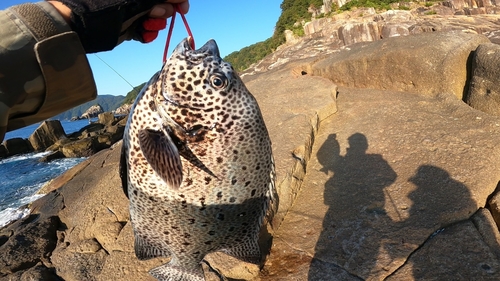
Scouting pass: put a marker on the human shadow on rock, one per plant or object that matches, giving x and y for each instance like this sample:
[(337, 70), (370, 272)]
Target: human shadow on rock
[(355, 199), (437, 202)]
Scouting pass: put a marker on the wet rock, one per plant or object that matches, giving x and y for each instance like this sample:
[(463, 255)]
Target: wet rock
[(48, 133), (52, 156)]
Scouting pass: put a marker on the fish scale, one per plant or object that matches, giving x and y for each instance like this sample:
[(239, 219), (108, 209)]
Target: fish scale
[(197, 165)]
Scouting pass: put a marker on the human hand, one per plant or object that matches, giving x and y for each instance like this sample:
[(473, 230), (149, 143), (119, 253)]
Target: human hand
[(103, 24)]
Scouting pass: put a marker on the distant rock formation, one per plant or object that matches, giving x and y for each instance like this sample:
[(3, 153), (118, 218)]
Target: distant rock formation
[(92, 112), (123, 109)]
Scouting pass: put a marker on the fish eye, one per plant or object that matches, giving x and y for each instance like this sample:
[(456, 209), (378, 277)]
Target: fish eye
[(218, 81)]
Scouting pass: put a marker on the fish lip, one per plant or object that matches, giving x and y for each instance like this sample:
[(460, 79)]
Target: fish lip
[(209, 49)]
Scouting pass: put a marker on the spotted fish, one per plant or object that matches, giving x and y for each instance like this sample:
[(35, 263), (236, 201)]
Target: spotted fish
[(196, 165)]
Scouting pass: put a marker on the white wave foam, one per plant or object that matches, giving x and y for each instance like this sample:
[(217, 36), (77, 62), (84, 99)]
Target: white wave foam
[(24, 157), (15, 213), (10, 214)]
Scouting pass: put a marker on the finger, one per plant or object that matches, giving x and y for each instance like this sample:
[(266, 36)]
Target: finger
[(184, 5), (152, 24), (163, 10), (166, 10), (149, 36)]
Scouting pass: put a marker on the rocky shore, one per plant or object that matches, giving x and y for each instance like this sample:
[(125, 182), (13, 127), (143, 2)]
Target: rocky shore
[(387, 169), (50, 136)]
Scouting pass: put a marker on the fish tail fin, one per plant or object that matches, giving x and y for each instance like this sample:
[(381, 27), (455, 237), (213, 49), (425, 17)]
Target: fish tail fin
[(168, 272)]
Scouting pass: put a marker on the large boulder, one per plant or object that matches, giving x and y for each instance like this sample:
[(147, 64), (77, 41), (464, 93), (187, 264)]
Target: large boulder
[(81, 148), (17, 146), (47, 134), (484, 92), (429, 64)]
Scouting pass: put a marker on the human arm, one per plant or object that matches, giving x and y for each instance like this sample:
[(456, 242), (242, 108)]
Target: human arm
[(43, 67)]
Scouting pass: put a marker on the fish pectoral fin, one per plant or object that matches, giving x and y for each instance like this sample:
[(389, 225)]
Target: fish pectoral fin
[(162, 154), (170, 272), (145, 251)]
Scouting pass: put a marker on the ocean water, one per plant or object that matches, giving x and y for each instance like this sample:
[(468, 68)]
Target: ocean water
[(23, 175)]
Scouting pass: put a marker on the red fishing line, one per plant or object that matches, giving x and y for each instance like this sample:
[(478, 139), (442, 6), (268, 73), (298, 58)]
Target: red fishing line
[(171, 28)]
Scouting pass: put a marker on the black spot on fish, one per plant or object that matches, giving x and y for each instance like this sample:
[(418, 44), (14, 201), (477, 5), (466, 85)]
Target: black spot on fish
[(219, 160), (253, 192), (191, 221), (211, 232), (220, 217), (232, 199), (152, 106), (208, 180), (234, 181)]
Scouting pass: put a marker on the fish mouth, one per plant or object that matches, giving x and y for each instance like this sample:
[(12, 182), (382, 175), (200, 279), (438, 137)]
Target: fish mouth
[(209, 49)]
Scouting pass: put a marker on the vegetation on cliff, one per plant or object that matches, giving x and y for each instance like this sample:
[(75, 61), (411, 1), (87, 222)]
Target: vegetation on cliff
[(292, 11), (130, 97)]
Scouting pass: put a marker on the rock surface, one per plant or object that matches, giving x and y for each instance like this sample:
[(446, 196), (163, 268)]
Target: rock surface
[(374, 184)]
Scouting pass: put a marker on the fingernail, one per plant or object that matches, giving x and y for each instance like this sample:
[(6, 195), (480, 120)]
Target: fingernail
[(157, 12)]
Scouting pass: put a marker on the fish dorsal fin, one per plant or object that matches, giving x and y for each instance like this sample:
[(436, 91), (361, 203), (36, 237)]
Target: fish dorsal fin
[(162, 154)]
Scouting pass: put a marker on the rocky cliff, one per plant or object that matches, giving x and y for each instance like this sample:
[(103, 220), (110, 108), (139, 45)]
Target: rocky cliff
[(92, 112), (383, 172)]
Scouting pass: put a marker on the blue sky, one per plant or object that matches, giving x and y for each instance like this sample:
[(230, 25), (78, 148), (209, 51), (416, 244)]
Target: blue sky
[(233, 24)]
